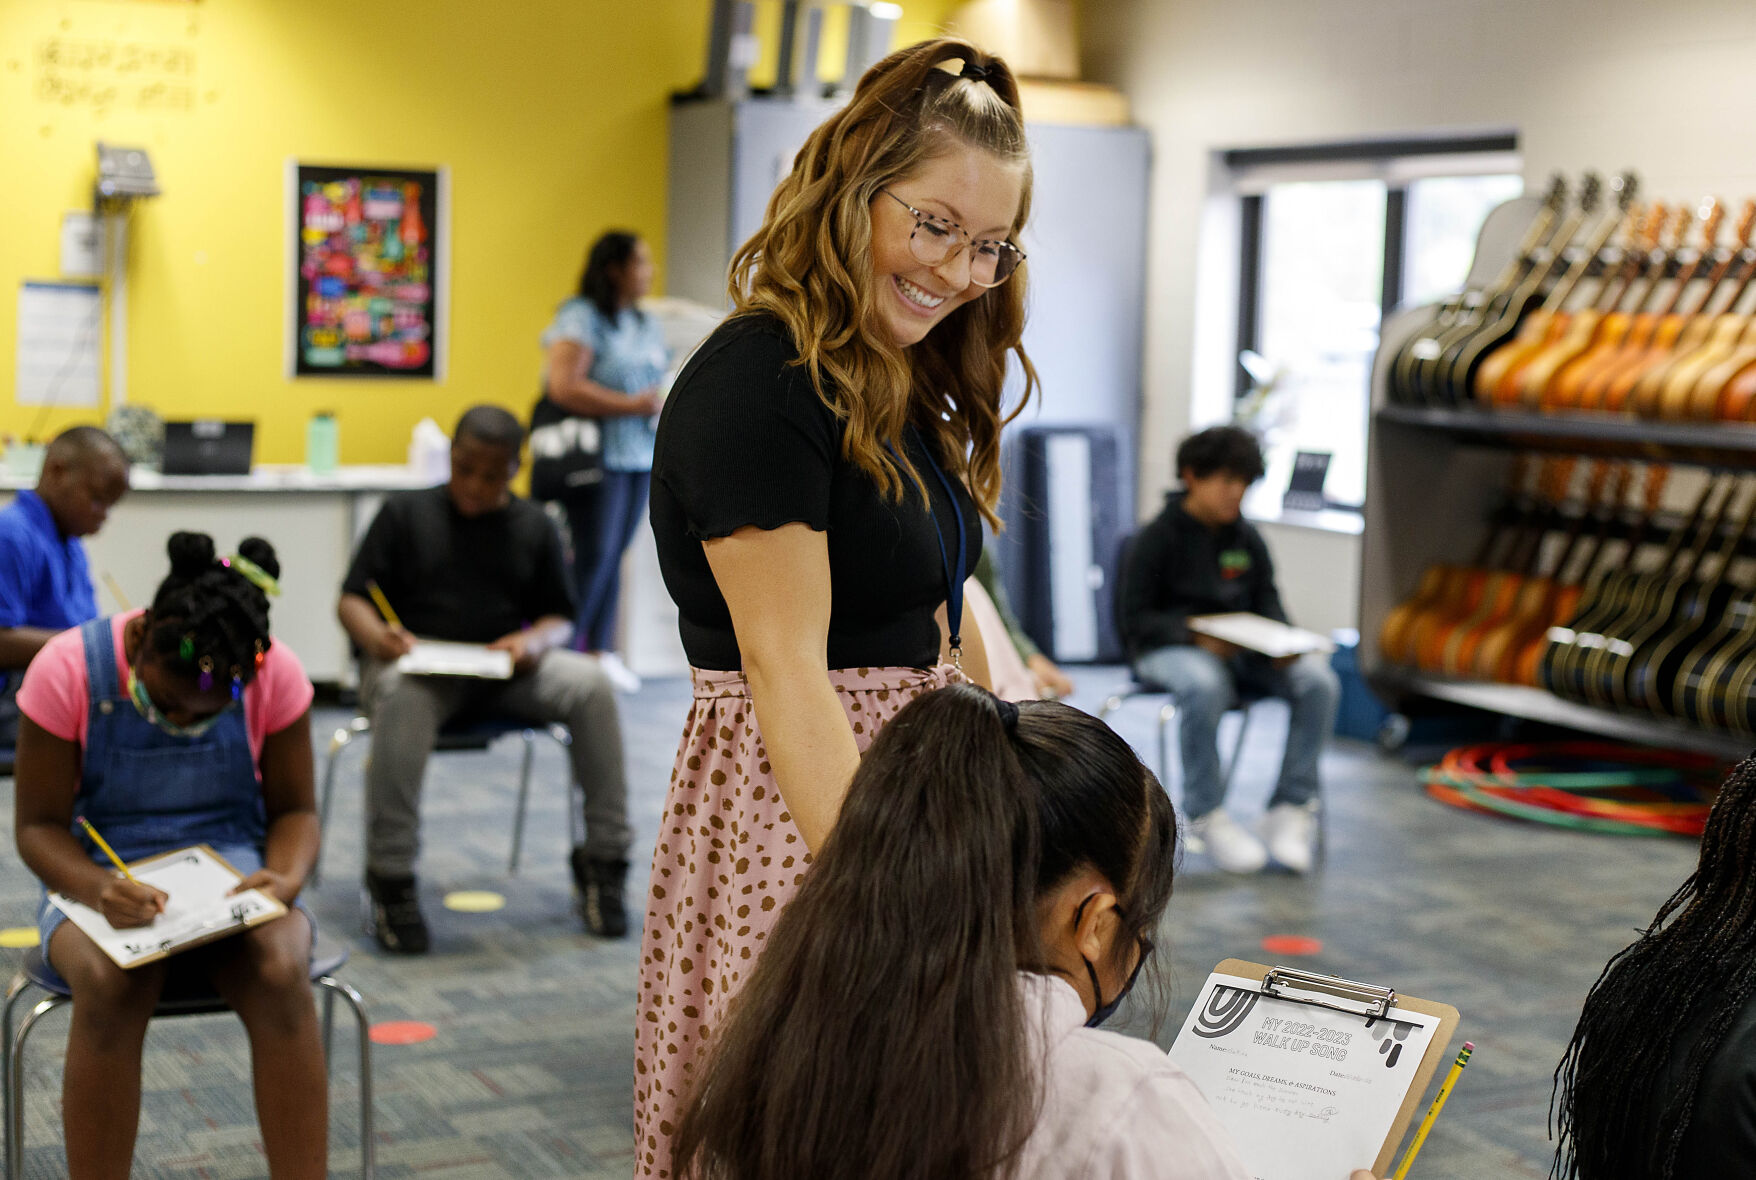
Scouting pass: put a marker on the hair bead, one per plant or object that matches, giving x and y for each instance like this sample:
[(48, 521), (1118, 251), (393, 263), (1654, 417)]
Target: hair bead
[(205, 680)]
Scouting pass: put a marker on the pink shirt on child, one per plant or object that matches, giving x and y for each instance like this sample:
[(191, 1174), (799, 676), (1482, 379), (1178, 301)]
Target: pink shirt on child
[(56, 693)]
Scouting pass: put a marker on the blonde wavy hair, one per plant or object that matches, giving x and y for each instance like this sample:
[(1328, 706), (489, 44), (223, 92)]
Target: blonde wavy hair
[(810, 266)]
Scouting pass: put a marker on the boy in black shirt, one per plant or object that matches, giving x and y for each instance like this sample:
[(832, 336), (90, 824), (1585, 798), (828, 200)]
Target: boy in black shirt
[(1200, 557), (470, 562)]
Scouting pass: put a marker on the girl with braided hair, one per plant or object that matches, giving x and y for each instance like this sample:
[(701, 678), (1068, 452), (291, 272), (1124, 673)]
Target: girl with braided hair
[(1659, 1081), (181, 724)]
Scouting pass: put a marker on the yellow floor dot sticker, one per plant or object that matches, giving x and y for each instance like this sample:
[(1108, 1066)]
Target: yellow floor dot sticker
[(18, 936), (474, 901)]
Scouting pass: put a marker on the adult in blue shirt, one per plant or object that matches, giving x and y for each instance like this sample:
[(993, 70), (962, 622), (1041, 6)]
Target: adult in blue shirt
[(45, 585), (605, 359)]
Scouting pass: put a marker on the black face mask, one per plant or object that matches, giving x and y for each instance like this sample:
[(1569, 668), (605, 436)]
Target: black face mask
[(1105, 1011)]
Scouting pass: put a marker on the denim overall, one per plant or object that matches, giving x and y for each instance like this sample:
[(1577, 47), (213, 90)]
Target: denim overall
[(147, 791)]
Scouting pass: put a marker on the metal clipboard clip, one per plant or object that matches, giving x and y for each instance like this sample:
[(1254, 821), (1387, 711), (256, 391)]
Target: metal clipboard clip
[(1328, 991)]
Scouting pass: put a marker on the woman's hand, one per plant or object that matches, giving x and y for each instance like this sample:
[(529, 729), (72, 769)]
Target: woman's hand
[(648, 401), (125, 903)]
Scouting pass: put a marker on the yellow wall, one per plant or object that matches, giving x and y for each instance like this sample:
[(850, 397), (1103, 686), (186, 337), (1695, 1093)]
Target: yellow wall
[(550, 115)]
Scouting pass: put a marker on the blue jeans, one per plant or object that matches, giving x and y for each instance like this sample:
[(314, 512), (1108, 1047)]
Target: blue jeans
[(601, 524), (1204, 687)]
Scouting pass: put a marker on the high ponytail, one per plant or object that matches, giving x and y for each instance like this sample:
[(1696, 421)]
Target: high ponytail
[(883, 1031), (210, 615), (889, 984)]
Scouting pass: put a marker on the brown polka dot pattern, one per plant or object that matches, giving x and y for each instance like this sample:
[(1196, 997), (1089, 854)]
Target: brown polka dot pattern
[(728, 858)]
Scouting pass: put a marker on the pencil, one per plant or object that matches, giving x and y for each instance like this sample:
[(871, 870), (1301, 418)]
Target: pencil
[(116, 591), (1433, 1111), (383, 604), (104, 844)]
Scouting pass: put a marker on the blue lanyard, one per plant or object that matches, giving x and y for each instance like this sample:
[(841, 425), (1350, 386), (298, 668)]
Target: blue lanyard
[(954, 573)]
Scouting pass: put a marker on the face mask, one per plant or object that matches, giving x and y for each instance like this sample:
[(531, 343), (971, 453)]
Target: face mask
[(1105, 1011), (144, 706)]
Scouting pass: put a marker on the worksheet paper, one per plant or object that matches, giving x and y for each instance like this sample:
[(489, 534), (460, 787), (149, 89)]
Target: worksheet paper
[(1268, 636), (433, 657), (59, 342), (199, 907), (1307, 1092)]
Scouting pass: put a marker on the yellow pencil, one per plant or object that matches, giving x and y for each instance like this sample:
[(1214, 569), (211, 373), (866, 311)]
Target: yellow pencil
[(383, 603), (116, 591), (104, 844), (1433, 1112)]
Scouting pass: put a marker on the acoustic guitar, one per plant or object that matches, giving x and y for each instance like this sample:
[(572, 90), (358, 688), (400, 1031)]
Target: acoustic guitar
[(1456, 656), (1698, 381), (1443, 583), (1606, 667), (1458, 362), (1604, 559), (1530, 615), (1655, 393), (1648, 681), (1547, 323), (1427, 352), (1651, 334), (1568, 649), (1702, 690), (1566, 390)]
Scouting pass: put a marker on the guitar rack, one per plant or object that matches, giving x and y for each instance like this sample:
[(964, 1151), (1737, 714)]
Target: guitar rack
[(1436, 477)]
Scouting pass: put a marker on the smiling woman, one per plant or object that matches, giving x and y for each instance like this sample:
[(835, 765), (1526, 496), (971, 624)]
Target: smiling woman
[(822, 467)]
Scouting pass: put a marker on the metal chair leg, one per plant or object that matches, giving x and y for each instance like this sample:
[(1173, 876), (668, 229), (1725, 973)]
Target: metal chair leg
[(16, 989), (575, 807), (1167, 713), (1231, 767), (530, 749), (333, 987), (15, 1084), (1110, 705), (339, 742)]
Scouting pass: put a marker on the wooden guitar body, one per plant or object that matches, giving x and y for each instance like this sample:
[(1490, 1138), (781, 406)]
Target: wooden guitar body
[(1562, 664), (1699, 691), (1499, 646), (1540, 329), (1690, 382), (1531, 382), (1527, 660), (1566, 389), (1652, 395), (1393, 634), (1650, 677), (1605, 675)]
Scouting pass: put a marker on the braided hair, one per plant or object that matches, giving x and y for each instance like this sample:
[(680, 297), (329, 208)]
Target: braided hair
[(207, 616), (1694, 967)]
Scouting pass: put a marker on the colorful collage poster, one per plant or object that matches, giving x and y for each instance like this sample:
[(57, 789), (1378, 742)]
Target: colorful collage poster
[(366, 295)]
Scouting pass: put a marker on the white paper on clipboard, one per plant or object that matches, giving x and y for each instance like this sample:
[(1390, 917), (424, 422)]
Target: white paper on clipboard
[(1307, 1092)]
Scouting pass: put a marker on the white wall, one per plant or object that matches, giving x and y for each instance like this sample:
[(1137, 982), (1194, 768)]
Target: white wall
[(1660, 87)]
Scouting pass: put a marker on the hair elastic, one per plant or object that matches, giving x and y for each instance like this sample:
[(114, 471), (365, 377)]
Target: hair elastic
[(237, 683), (261, 655), (205, 680), (186, 649), (253, 573), (974, 72), (1008, 714)]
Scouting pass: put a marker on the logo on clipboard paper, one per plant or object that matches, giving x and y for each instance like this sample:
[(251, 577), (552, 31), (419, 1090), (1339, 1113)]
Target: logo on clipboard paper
[(1391, 1037), (1226, 1009)]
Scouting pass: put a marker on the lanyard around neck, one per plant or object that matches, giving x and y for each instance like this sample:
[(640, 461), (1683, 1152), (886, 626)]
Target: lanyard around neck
[(955, 572)]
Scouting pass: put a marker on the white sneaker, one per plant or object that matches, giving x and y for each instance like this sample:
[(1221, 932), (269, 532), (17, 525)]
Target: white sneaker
[(620, 676), (1230, 845), (1290, 831)]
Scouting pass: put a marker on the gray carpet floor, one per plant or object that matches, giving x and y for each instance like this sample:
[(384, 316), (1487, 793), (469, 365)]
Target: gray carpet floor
[(530, 1072)]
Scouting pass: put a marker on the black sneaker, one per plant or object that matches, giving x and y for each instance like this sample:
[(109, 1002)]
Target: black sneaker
[(393, 914), (600, 893)]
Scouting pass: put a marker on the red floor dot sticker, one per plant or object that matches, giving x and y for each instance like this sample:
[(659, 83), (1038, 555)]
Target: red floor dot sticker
[(1291, 944), (402, 1032)]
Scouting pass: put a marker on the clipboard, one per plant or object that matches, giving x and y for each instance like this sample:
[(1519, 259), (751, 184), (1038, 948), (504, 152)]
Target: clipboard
[(200, 912), (1371, 1002)]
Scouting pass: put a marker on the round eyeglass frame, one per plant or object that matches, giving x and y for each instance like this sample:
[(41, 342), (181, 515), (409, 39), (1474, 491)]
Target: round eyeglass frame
[(965, 242)]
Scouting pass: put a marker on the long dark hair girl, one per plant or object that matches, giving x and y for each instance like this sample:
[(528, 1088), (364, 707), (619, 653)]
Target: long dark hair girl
[(597, 282), (883, 1032), (810, 267), (1693, 968)]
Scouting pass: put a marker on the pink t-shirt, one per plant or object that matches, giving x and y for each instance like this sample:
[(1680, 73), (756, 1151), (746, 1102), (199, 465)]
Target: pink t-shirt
[(56, 693)]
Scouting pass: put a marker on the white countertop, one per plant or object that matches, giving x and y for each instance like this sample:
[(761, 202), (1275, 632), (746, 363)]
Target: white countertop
[(265, 477)]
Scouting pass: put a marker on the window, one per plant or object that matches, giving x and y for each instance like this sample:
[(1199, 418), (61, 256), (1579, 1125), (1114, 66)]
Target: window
[(1333, 239)]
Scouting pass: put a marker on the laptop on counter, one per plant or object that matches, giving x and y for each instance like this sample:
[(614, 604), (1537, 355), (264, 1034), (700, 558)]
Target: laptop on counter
[(208, 446)]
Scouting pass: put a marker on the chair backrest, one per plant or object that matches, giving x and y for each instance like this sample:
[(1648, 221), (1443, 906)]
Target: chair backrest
[(1124, 554)]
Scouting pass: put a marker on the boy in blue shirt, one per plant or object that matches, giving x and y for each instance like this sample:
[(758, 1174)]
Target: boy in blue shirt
[(45, 584)]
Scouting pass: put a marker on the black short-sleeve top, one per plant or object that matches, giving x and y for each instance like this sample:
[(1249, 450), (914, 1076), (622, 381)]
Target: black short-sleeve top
[(745, 440)]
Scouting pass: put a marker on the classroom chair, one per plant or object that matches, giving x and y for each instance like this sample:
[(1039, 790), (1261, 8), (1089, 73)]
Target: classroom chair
[(183, 997), (1167, 713), (474, 734)]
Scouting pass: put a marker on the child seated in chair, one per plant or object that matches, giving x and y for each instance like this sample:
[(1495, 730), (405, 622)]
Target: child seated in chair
[(181, 724), (1201, 557)]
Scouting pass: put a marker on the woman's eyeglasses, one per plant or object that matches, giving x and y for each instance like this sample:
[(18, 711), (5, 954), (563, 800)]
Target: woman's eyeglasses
[(935, 239)]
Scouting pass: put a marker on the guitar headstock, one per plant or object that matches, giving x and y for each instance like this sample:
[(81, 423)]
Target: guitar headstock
[(1590, 189), (1746, 222), (1556, 197), (1626, 187), (1680, 226), (1712, 214), (1653, 227)]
